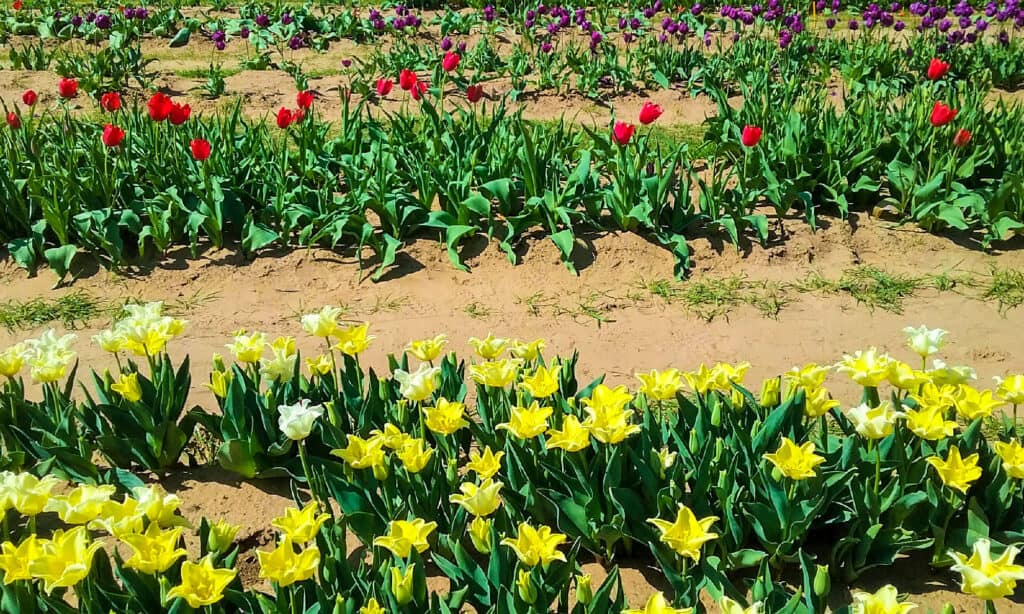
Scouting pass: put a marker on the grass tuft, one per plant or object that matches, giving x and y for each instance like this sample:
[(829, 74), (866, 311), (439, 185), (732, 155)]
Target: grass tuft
[(1006, 287), (869, 285), (477, 310), (71, 310)]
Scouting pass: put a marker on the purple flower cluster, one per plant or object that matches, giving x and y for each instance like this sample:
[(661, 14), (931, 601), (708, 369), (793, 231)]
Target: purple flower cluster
[(404, 19), (139, 13), (967, 27), (220, 39)]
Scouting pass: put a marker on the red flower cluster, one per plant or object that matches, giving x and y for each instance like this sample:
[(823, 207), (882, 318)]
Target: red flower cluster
[(161, 107)]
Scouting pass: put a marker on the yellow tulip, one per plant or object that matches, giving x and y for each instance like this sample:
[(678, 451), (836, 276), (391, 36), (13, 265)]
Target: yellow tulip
[(701, 380), (611, 400), (931, 395), (300, 526), (15, 561), (731, 607), (280, 367), (867, 368), (495, 373), (808, 377), (972, 404), (202, 584), (543, 382), (49, 356), (248, 348), (372, 607), (402, 584), (536, 546), (362, 453), (219, 381), (12, 360), (946, 375), (986, 578), (320, 366), (418, 385), (956, 472), (428, 350), (607, 418), (527, 350), (323, 323), (222, 535), (82, 504), (874, 422), (524, 586), (404, 535), (724, 375), (657, 604), (482, 500), (904, 377), (817, 402), (771, 393), (1012, 455), (885, 600), (284, 566), (414, 455), (480, 534), (485, 464), (584, 588), (929, 423), (353, 340), (119, 518), (110, 341), (154, 551), (30, 494), (573, 437), (391, 437), (924, 341), (686, 534), (665, 460), (128, 387), (159, 506), (1010, 389), (527, 422), (795, 462), (660, 385), (65, 560), (490, 347), (446, 417)]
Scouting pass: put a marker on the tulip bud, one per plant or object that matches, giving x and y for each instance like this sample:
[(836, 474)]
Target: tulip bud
[(221, 536), (527, 592), (663, 460), (770, 393), (218, 363), (716, 415), (380, 471), (584, 590), (776, 474), (719, 448), (947, 608), (452, 472), (822, 582), (480, 534), (401, 584), (339, 604), (757, 592), (723, 480), (693, 442)]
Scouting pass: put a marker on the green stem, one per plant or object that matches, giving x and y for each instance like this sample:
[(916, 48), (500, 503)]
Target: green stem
[(309, 474)]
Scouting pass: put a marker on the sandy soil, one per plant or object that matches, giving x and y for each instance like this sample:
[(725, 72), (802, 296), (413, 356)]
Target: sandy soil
[(220, 293)]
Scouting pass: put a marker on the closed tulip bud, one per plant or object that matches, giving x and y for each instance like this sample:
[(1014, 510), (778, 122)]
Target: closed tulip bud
[(13, 120), (693, 441), (961, 138), (947, 608), (222, 535), (452, 472), (524, 585), (30, 98), (112, 135), (480, 534), (719, 448), (723, 480), (200, 149), (407, 79), (757, 592), (622, 132), (716, 415), (770, 393), (111, 101), (450, 61), (649, 113), (937, 69), (584, 590), (402, 584), (67, 88), (384, 87), (474, 93), (942, 114), (822, 582), (776, 474), (750, 136)]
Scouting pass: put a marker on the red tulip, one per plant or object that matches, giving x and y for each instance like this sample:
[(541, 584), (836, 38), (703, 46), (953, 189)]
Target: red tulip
[(284, 118), (29, 98), (200, 149), (622, 132), (16, 5), (67, 88), (13, 120), (298, 115), (112, 135), (962, 137), (650, 112), (159, 106), (384, 87), (179, 114), (407, 79), (937, 69), (111, 101), (942, 115), (751, 136), (304, 99), (474, 93), (418, 90), (450, 61)]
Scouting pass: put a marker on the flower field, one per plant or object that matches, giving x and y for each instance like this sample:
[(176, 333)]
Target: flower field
[(635, 194)]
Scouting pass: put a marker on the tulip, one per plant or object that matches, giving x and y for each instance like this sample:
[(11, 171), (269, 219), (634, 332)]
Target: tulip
[(650, 112), (296, 421), (480, 534), (16, 5), (284, 118), (622, 132), (65, 560), (962, 138), (415, 455), (404, 535), (474, 93), (657, 604), (67, 88), (543, 382), (956, 471), (158, 505), (885, 599), (924, 341), (490, 347), (29, 98), (285, 567), (985, 577), (155, 550), (482, 500), (304, 100), (687, 533), (179, 114), (937, 69), (524, 586), (360, 453), (353, 340), (159, 107), (446, 418), (300, 526), (867, 368), (751, 136), (536, 546), (111, 101), (384, 87), (573, 437), (128, 387), (660, 385), (495, 373), (1011, 389), (874, 422), (793, 461), (407, 79), (13, 120), (200, 149), (402, 584), (942, 114), (202, 584), (418, 385), (418, 90), (428, 349), (112, 135), (485, 464), (222, 535), (450, 61), (527, 422)]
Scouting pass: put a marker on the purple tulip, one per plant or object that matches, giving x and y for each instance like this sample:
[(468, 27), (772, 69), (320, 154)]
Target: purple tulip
[(220, 45), (461, 47), (899, 26), (103, 21), (262, 20), (545, 47), (76, 21), (244, 33), (295, 43), (286, 18), (446, 44), (830, 23), (853, 25)]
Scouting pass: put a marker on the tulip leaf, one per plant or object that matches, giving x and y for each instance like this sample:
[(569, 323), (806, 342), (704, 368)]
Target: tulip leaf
[(181, 38)]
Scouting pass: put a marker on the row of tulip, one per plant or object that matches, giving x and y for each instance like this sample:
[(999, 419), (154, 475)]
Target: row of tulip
[(537, 473)]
